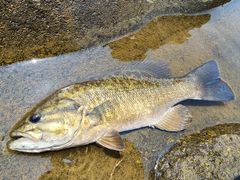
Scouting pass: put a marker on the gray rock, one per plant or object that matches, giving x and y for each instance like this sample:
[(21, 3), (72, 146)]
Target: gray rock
[(211, 154), (37, 29)]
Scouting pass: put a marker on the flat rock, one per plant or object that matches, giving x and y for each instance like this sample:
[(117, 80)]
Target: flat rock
[(213, 153), (37, 29)]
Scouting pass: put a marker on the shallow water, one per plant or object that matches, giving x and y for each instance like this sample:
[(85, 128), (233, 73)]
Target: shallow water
[(216, 35)]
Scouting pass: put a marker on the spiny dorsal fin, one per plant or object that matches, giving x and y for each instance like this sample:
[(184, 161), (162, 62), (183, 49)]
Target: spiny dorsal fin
[(112, 141), (137, 69), (176, 118), (156, 68)]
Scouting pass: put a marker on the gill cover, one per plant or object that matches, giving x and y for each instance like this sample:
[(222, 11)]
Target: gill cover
[(56, 123)]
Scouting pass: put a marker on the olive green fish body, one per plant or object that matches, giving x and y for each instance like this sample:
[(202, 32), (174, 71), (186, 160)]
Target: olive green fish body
[(125, 100), (97, 110)]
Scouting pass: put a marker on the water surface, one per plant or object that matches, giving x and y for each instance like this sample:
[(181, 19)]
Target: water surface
[(22, 85)]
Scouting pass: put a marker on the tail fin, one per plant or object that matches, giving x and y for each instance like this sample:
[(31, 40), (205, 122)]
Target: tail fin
[(207, 78)]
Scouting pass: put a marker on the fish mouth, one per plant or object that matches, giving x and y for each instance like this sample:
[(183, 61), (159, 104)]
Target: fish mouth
[(18, 135), (33, 136), (24, 141)]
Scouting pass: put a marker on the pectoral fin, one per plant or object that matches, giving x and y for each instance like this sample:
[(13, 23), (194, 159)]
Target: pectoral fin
[(176, 118), (112, 141)]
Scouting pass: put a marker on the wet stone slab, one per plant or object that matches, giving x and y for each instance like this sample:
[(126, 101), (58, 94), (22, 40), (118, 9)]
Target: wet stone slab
[(95, 162), (85, 162), (39, 28), (210, 35), (158, 32), (213, 153)]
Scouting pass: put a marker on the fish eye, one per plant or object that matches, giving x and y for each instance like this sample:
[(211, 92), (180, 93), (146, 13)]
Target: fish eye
[(35, 118)]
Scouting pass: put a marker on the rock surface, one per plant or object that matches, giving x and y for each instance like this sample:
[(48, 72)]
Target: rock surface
[(213, 153), (37, 29)]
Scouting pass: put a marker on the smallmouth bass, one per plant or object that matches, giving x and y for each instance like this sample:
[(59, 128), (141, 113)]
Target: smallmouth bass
[(138, 95)]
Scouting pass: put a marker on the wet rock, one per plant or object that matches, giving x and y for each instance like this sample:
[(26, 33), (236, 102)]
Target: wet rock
[(158, 32), (37, 29), (93, 162), (213, 153)]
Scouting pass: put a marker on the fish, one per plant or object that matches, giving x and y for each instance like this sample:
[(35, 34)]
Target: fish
[(139, 94)]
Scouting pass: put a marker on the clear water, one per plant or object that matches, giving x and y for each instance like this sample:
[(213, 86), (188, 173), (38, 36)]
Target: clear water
[(22, 85)]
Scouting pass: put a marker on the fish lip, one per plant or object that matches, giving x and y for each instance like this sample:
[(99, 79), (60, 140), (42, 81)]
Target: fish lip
[(17, 135), (15, 143)]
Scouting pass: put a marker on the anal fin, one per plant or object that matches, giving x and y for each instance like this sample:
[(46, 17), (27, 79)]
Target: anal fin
[(176, 118), (112, 141)]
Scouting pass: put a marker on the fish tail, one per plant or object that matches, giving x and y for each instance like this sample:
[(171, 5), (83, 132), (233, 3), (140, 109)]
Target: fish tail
[(207, 79)]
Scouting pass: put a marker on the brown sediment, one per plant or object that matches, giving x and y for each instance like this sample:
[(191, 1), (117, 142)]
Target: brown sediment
[(93, 162), (158, 32)]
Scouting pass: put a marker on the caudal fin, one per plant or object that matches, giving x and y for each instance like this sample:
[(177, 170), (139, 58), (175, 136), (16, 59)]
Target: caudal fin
[(207, 78)]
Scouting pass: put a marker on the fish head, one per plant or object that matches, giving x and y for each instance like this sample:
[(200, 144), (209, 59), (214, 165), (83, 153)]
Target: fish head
[(48, 126)]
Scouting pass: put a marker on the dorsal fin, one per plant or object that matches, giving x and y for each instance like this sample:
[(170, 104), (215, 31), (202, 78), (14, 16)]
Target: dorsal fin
[(137, 69), (156, 68)]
